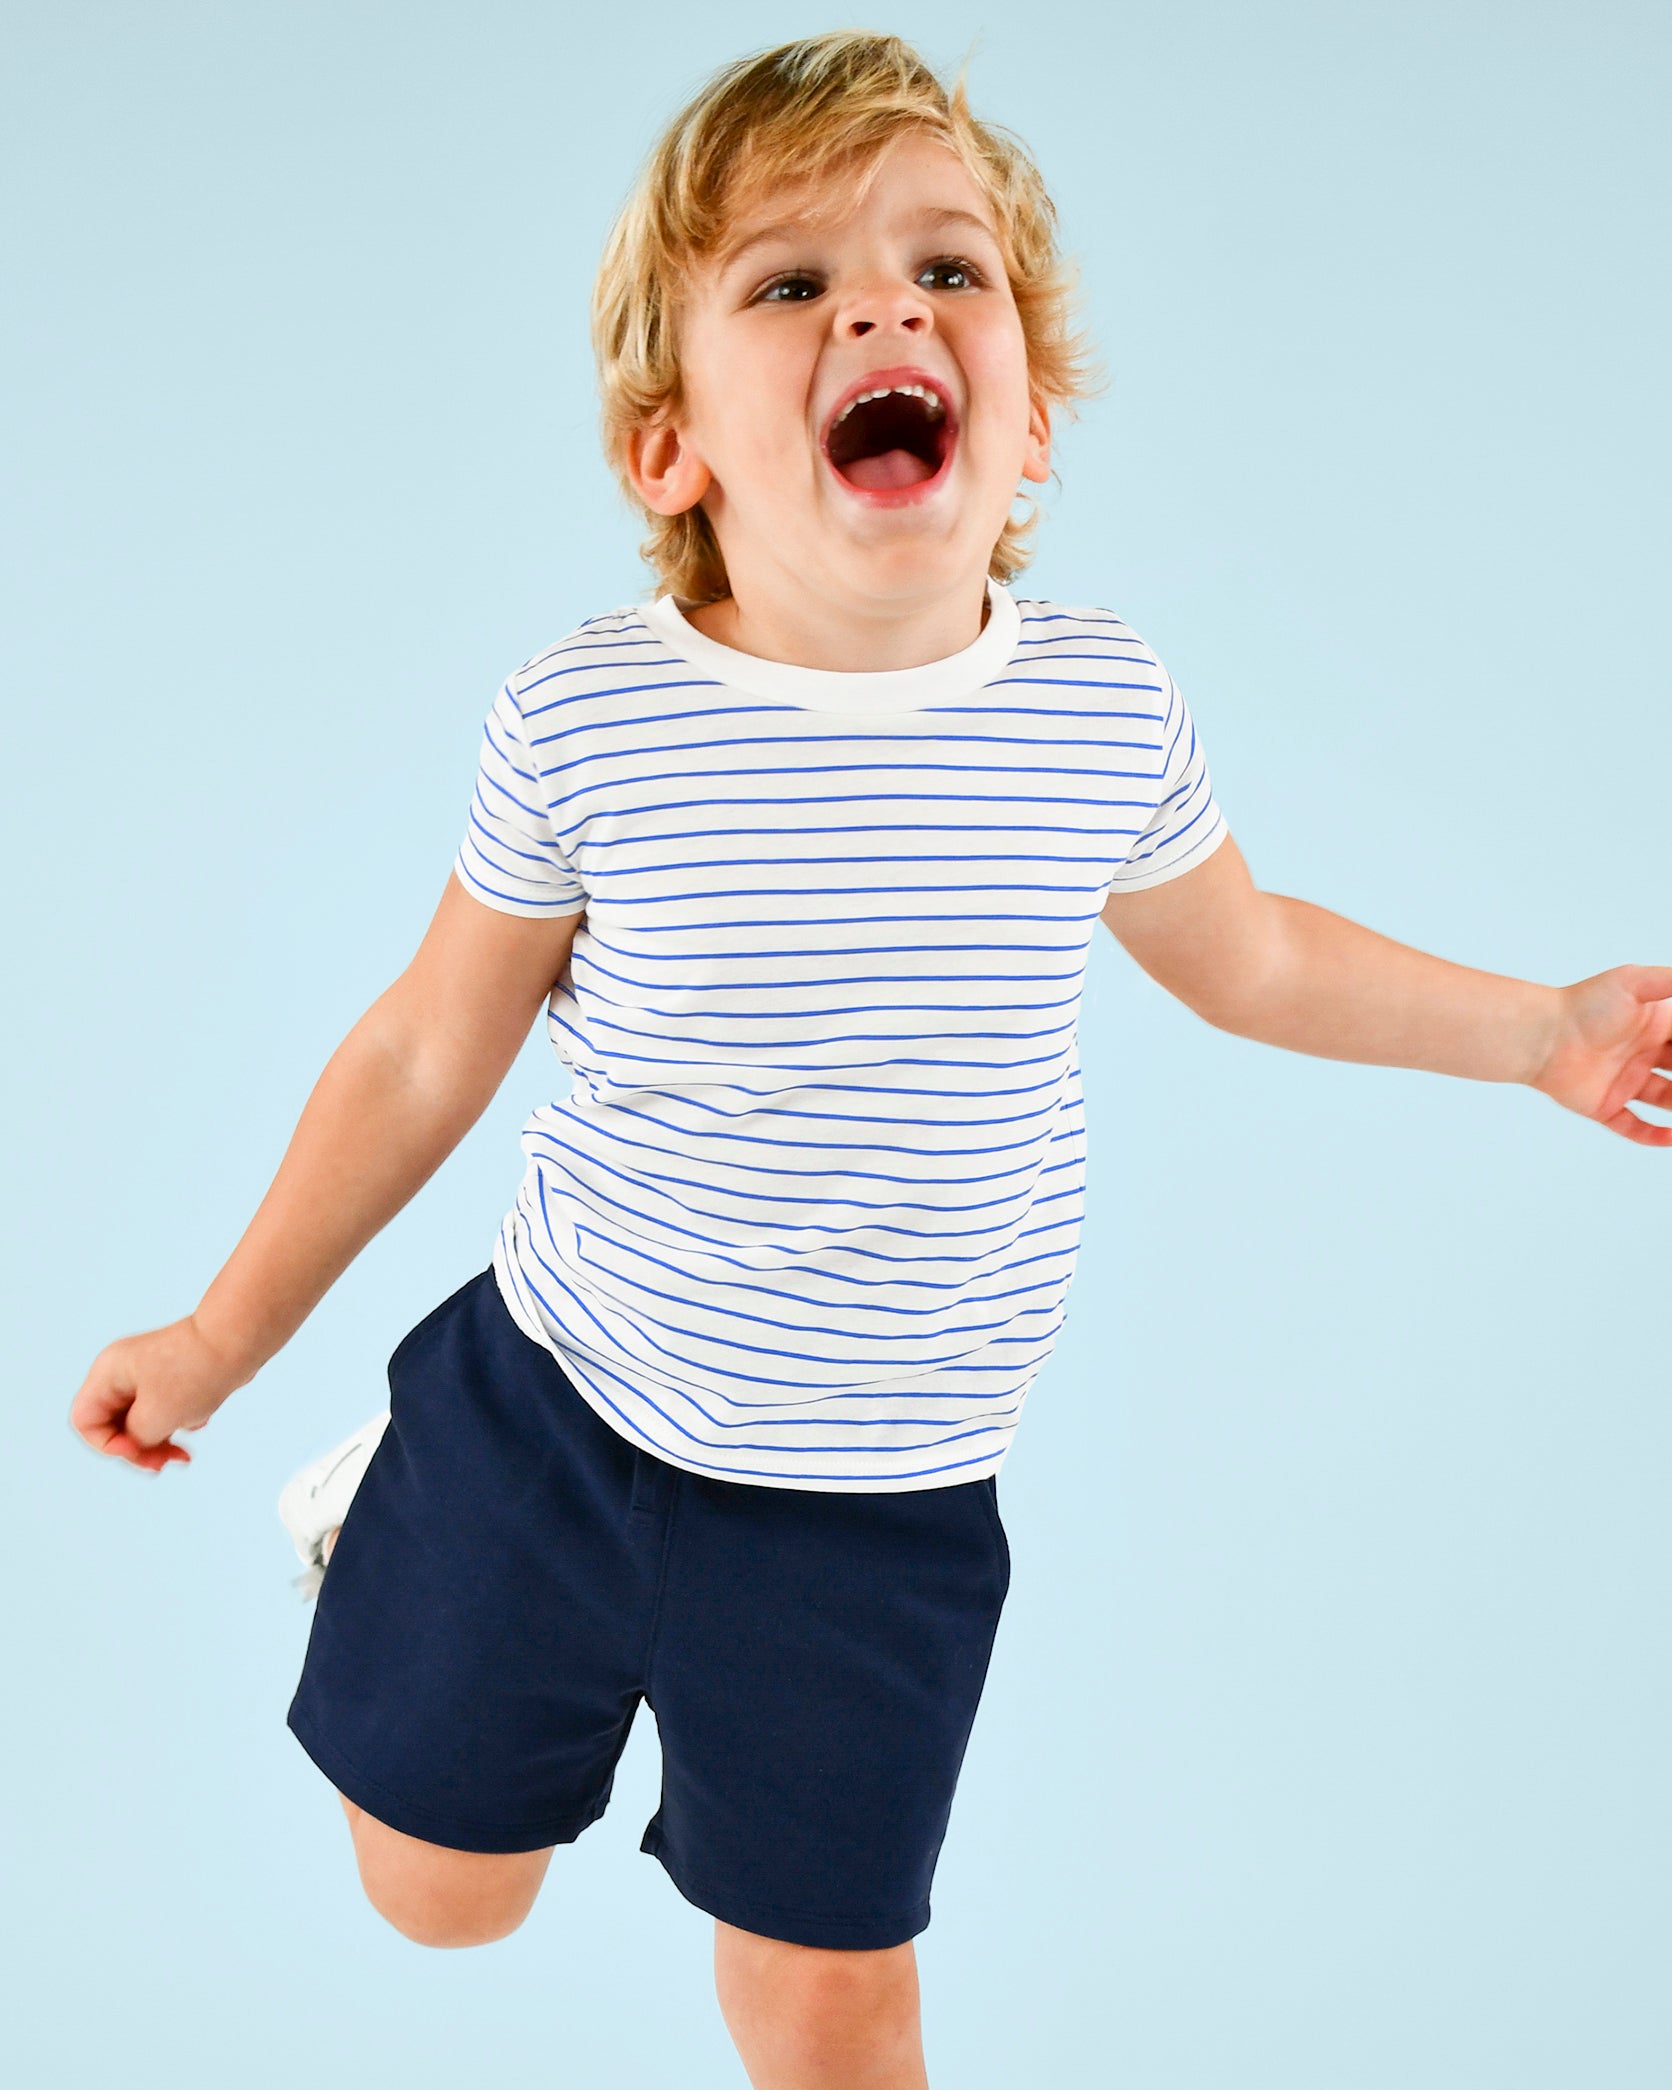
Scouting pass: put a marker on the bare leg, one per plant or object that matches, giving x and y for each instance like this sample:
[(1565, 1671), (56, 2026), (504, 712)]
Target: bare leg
[(806, 2018), (438, 1896)]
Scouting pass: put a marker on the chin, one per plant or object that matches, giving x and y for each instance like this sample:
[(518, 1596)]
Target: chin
[(912, 555)]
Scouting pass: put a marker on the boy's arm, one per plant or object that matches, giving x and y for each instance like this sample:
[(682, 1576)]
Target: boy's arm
[(1288, 973), (395, 1099)]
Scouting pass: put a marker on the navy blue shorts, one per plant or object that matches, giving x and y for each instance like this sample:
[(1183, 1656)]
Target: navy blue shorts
[(513, 1576)]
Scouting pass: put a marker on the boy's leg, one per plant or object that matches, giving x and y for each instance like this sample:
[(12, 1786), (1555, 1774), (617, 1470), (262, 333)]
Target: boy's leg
[(808, 2017), (474, 1661), (437, 1896)]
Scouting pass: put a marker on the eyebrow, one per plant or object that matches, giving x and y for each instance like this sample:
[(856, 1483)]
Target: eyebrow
[(936, 220)]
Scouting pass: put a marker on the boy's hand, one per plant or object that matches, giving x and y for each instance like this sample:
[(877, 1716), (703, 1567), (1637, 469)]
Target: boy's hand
[(144, 1387), (1610, 1049)]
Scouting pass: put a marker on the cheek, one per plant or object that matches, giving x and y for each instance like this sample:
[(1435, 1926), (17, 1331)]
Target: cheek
[(996, 363), (750, 407)]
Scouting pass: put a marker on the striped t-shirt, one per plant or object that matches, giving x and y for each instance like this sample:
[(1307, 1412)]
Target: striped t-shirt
[(809, 1215)]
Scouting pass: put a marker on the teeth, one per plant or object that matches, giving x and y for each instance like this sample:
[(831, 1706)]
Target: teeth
[(931, 400)]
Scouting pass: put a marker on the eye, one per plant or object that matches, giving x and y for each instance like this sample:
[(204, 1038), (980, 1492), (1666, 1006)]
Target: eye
[(793, 289), (952, 273)]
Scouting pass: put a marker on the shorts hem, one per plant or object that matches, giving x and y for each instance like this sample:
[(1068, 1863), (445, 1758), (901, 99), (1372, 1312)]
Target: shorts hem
[(793, 1926), (412, 1818)]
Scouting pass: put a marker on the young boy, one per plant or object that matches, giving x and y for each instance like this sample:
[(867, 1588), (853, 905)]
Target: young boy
[(803, 860)]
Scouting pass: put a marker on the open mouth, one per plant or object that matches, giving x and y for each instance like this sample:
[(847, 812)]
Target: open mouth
[(892, 435)]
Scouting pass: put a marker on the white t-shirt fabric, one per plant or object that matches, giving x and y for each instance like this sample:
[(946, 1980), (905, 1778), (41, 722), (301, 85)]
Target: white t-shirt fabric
[(809, 1216)]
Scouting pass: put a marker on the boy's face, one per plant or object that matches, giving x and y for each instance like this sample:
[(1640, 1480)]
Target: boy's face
[(815, 302)]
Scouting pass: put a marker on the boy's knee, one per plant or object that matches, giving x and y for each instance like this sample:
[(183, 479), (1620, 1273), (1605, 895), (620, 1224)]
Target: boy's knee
[(438, 1896), (440, 1925), (815, 2007)]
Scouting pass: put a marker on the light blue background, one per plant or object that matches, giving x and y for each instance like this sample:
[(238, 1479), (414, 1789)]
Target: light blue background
[(1326, 1739)]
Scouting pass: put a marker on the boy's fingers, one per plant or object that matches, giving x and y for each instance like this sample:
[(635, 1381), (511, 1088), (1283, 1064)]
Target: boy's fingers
[(100, 1405), (1630, 1126), (115, 1442), (118, 1412), (1656, 1092), (157, 1454), (154, 1457), (97, 1429)]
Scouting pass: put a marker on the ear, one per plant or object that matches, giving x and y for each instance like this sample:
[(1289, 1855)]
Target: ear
[(667, 474), (1036, 463)]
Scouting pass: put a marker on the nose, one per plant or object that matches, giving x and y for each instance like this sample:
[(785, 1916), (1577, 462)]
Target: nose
[(884, 305)]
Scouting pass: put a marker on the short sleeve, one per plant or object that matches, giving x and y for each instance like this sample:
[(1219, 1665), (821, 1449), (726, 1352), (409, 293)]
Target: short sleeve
[(1187, 825), (511, 858)]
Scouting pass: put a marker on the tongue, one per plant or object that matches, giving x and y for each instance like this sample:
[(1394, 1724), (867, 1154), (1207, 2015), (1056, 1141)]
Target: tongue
[(888, 471)]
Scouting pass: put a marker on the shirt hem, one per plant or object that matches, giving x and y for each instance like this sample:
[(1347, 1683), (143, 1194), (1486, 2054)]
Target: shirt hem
[(878, 1483)]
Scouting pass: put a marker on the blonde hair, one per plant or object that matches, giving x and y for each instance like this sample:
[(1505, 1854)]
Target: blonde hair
[(798, 113)]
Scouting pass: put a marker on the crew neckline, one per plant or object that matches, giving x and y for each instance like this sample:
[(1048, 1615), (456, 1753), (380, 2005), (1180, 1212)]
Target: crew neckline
[(832, 689)]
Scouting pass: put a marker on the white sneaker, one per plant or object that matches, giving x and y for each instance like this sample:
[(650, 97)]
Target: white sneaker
[(314, 1502)]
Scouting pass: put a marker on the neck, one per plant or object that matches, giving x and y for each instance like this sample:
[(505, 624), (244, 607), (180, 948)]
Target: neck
[(806, 628)]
